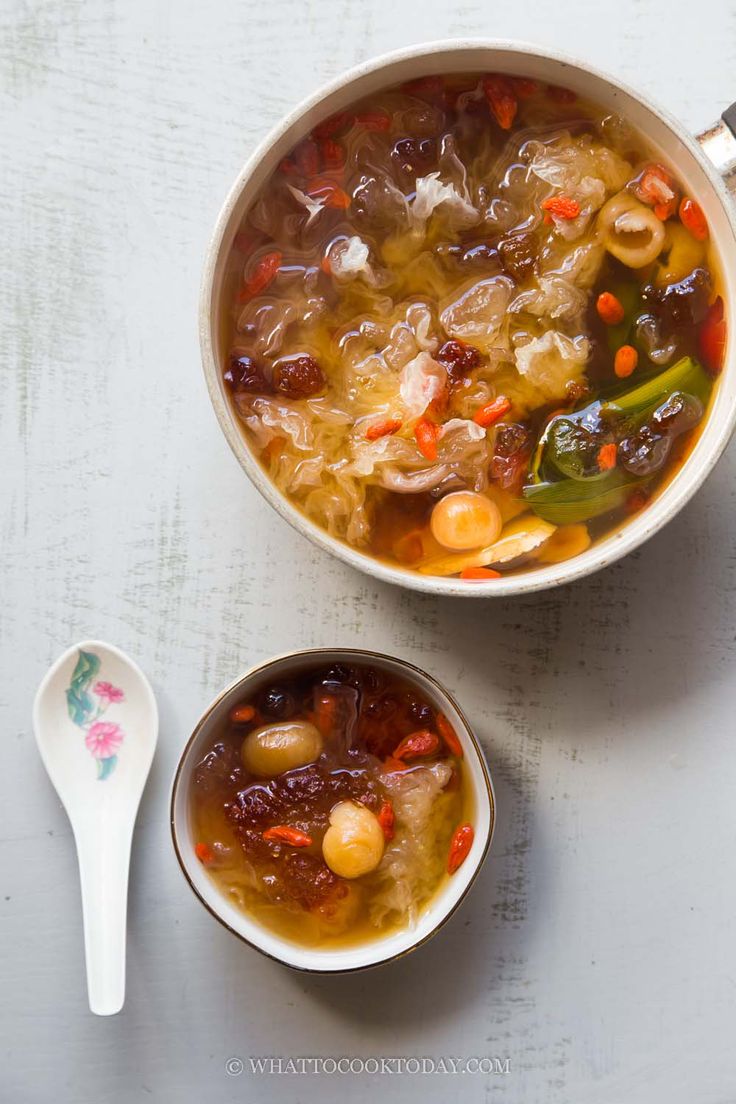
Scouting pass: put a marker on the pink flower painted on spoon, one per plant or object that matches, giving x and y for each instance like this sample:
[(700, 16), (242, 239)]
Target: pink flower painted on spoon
[(103, 739), (105, 691)]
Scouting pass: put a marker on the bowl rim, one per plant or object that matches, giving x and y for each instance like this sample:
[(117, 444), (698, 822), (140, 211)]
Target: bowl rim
[(487, 791), (680, 488)]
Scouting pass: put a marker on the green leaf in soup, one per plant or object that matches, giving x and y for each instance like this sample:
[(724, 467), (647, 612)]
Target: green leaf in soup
[(570, 447), (570, 442), (686, 375), (629, 296), (573, 500), (79, 703)]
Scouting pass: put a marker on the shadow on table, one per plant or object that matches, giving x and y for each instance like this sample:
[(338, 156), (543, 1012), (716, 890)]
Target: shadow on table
[(471, 955), (632, 638), (620, 645), (617, 643)]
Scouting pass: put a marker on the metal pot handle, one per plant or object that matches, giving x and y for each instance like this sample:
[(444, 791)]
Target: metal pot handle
[(719, 145)]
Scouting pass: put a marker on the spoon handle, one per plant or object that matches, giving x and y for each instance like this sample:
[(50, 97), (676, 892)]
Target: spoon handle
[(103, 851)]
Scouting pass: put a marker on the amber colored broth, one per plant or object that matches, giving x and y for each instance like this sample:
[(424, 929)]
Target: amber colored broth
[(291, 921), (395, 517)]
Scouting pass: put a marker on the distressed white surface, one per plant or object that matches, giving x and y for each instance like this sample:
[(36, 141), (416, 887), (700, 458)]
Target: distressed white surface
[(597, 951)]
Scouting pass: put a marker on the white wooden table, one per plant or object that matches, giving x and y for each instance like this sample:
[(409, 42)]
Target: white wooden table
[(597, 951)]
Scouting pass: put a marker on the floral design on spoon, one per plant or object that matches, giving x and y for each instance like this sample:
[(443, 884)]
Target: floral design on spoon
[(86, 704)]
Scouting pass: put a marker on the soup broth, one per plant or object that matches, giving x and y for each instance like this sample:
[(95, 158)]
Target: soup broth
[(473, 324), (332, 806)]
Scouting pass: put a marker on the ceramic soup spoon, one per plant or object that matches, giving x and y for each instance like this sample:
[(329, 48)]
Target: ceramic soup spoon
[(96, 726)]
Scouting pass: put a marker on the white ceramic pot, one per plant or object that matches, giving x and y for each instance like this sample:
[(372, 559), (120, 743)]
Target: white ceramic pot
[(707, 168), (449, 895)]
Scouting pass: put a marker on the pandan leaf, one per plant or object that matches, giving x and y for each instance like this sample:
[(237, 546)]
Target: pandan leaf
[(629, 297), (686, 375), (79, 703), (573, 500), (105, 767), (569, 447), (561, 451)]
